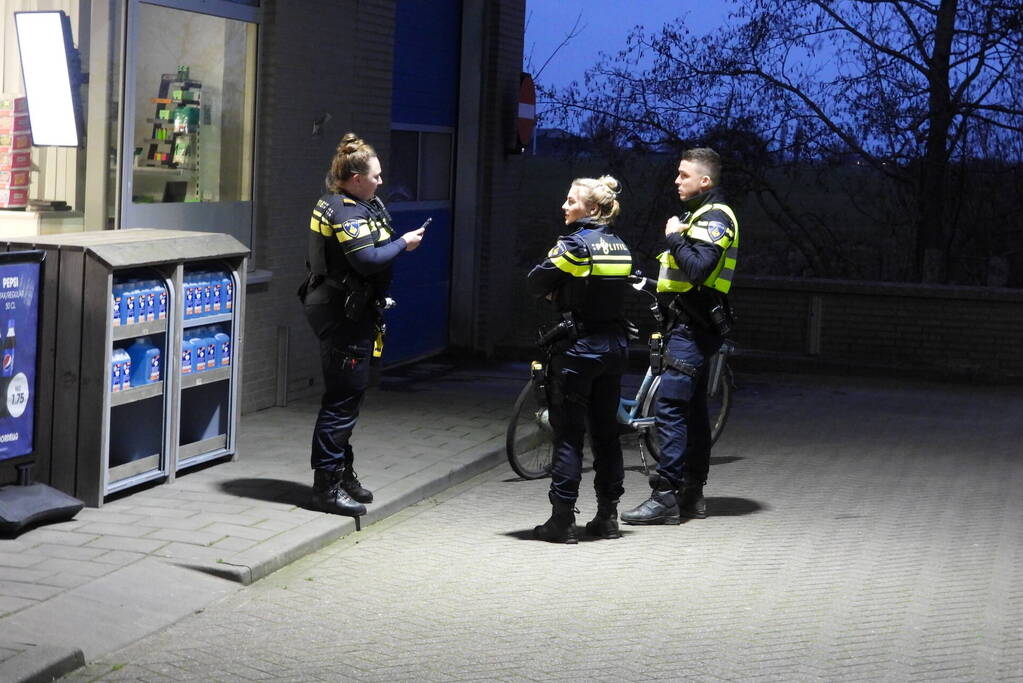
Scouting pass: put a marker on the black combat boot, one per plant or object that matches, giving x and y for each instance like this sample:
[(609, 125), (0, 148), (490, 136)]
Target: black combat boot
[(353, 487), (605, 523), (660, 508), (560, 528), (328, 496), (691, 502)]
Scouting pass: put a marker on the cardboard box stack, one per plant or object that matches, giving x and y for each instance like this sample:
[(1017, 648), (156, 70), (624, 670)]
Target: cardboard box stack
[(15, 152)]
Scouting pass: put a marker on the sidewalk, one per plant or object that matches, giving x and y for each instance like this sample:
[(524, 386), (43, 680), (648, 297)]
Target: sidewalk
[(73, 591)]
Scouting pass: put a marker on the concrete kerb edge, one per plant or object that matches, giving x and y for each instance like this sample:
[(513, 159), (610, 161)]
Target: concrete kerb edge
[(252, 565), (37, 663)]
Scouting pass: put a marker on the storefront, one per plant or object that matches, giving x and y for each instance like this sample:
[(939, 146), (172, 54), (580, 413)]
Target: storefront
[(222, 116)]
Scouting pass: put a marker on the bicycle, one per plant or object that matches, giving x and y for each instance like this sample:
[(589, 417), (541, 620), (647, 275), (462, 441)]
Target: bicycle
[(529, 438)]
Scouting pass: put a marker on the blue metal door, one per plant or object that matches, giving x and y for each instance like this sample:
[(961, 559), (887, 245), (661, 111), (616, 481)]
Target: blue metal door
[(424, 113)]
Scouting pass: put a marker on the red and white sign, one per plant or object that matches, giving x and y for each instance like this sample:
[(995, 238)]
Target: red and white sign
[(13, 141), (526, 120)]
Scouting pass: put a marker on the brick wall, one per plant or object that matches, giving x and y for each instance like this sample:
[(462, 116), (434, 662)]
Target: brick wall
[(306, 71), (942, 332), (310, 67), (500, 170)]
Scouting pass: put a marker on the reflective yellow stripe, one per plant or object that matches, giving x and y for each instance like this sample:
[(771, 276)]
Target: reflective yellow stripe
[(361, 230), (572, 266), (316, 226), (671, 279), (612, 266)]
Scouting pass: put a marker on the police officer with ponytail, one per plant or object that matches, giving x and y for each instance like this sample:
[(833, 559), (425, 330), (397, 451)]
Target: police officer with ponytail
[(695, 275), (351, 251), (584, 276)]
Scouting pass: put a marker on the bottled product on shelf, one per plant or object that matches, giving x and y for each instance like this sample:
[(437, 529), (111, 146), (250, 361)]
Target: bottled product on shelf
[(205, 348), (136, 301), (120, 371), (145, 362), (208, 293), (187, 353)]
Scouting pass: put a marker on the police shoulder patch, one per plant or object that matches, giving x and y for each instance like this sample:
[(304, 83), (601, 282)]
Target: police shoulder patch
[(559, 249), (717, 231), (351, 227)]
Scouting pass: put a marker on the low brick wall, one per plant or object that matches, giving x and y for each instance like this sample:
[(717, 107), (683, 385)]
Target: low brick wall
[(862, 328), (934, 331)]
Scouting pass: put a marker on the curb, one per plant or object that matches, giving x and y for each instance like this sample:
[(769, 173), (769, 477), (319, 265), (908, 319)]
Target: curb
[(251, 565), (36, 663)]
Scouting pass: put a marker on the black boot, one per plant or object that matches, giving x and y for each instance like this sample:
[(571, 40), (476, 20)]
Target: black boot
[(560, 528), (328, 496), (605, 523), (660, 508), (691, 502), (353, 487)]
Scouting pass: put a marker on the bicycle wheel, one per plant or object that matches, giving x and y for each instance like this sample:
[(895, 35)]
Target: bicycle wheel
[(529, 440), (719, 404)]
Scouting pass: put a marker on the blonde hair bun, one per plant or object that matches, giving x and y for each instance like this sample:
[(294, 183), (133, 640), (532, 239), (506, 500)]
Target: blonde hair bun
[(610, 183)]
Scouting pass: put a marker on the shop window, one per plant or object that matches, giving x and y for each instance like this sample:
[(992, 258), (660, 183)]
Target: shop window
[(420, 166), (194, 94)]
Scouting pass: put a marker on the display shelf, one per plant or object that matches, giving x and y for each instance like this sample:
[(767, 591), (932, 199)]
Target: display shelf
[(133, 473), (146, 329), (205, 377), (102, 441), (206, 449), (141, 393), (207, 320)]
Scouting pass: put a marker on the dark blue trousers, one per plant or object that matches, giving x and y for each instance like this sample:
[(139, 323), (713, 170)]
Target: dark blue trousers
[(584, 386), (345, 352), (683, 425)]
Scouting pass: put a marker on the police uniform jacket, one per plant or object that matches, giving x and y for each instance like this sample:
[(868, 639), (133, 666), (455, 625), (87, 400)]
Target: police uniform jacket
[(698, 251), (585, 273), (349, 236)]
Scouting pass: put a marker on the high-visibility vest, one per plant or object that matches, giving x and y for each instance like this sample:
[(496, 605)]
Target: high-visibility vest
[(671, 279)]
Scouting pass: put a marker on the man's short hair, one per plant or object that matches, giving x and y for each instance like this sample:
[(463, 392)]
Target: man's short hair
[(707, 159)]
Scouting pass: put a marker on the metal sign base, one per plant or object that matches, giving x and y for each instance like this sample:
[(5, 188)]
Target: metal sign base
[(24, 506)]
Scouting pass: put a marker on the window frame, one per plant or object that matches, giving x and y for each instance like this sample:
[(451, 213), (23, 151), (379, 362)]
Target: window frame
[(429, 204)]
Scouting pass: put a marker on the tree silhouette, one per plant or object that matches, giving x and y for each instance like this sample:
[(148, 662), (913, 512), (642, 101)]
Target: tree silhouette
[(918, 99)]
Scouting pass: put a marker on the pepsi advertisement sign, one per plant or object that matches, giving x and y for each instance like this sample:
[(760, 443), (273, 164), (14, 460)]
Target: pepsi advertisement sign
[(19, 326)]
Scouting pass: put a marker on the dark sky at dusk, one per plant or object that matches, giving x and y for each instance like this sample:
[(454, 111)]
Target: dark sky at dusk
[(605, 27)]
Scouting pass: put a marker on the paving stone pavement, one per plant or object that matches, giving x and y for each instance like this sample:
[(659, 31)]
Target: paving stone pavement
[(82, 588), (859, 530)]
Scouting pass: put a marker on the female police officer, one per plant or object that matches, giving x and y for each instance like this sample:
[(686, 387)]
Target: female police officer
[(350, 257), (584, 276)]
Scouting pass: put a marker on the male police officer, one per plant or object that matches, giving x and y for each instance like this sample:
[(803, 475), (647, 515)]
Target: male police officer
[(695, 275)]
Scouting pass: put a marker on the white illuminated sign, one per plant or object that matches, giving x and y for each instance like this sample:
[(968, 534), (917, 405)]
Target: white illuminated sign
[(44, 65)]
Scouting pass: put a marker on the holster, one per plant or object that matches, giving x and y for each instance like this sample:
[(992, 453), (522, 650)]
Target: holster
[(656, 353)]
